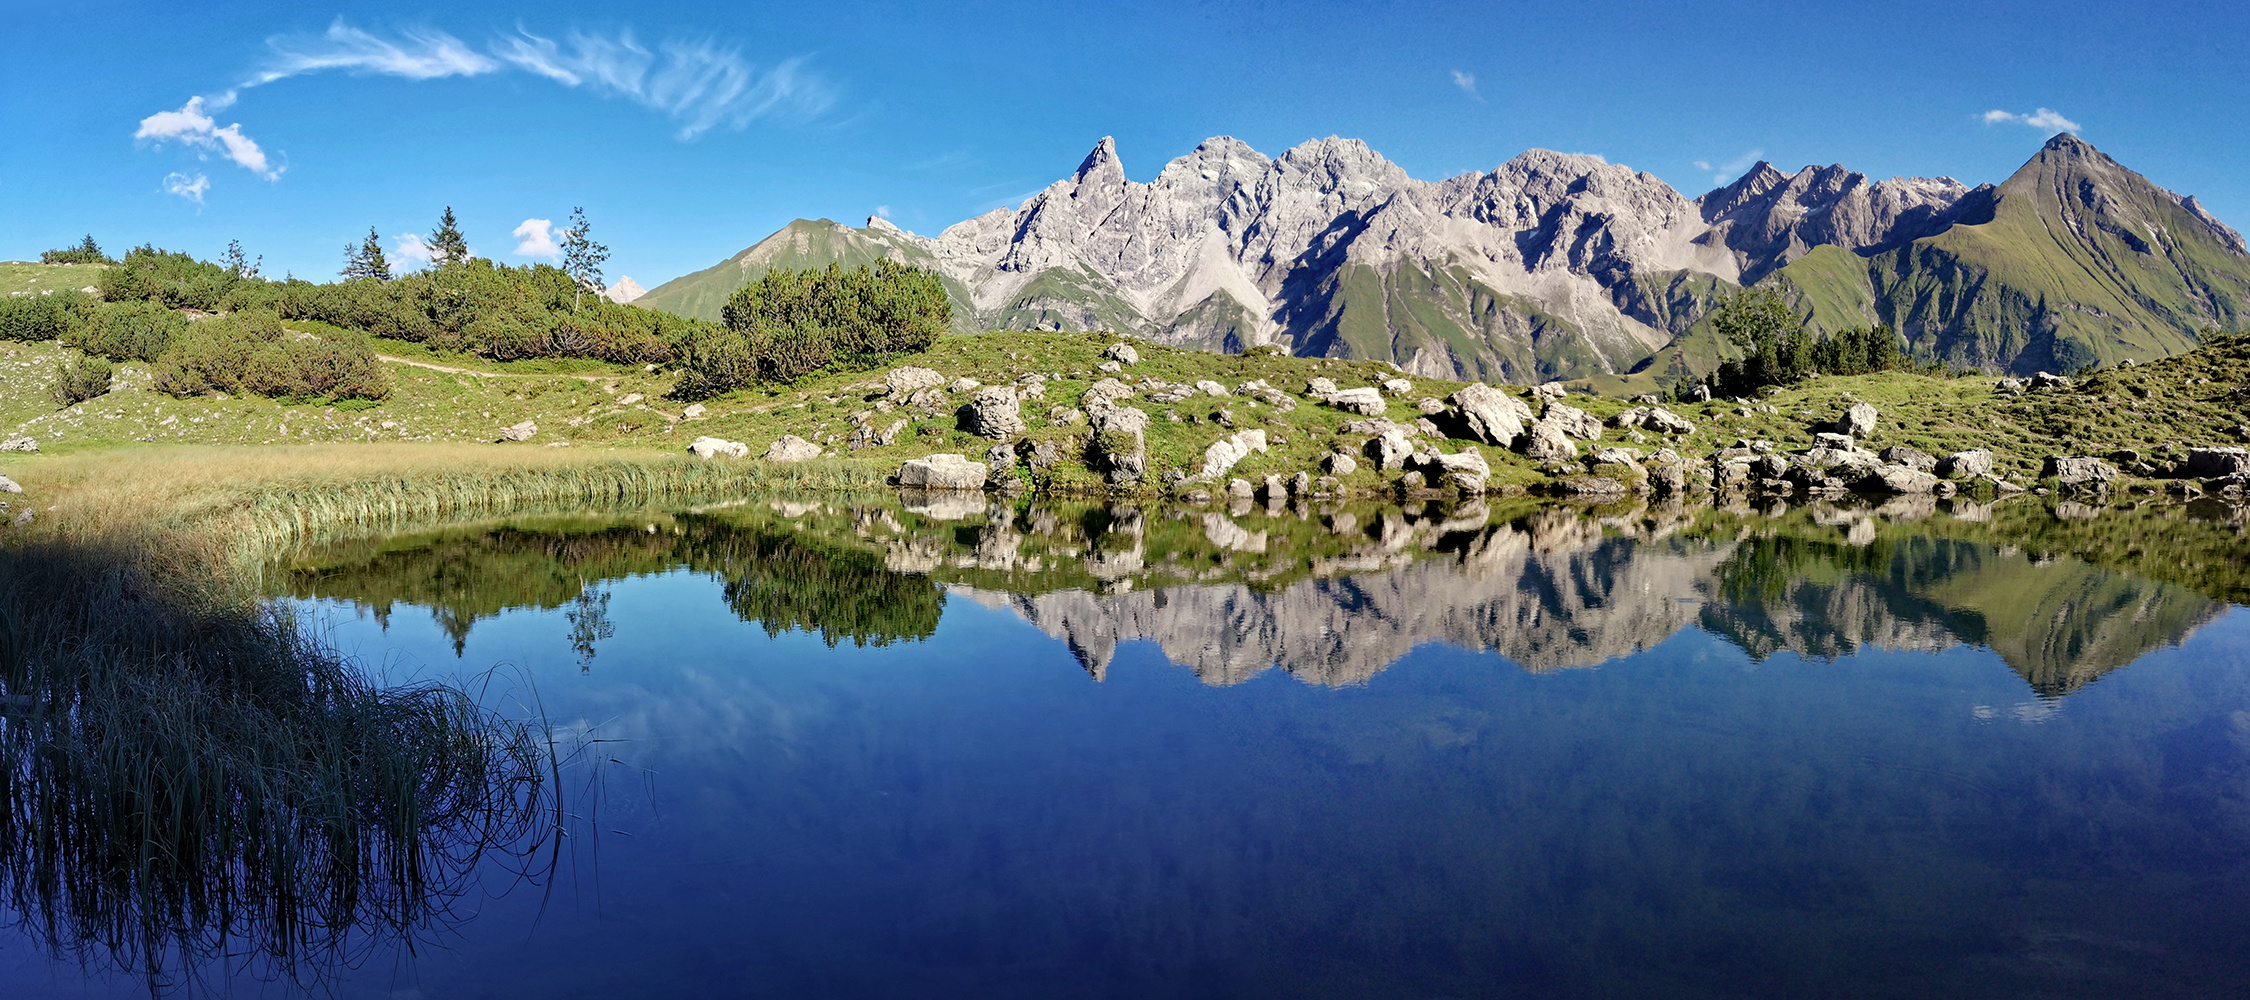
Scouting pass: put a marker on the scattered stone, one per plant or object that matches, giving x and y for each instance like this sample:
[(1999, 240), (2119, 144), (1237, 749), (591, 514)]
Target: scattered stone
[(1300, 484), (1110, 367), (630, 398), (1593, 486), (1573, 421), (1240, 489), (1430, 406), (994, 413), (1064, 416), (1550, 390), (1390, 449), (1122, 353), (1339, 463), (2075, 470), (1274, 488), (2043, 380), (1105, 393), (1492, 416), (1548, 443), (1210, 388), (8, 485), (1327, 486), (695, 411), (1120, 443), (524, 431), (790, 448), (1911, 458), (708, 448), (1966, 464), (23, 519), (1320, 388), (943, 472), (1398, 386), (931, 399), (1655, 418), (1000, 456), (1412, 481), (1224, 453), (2213, 463), (1858, 421), (905, 382), (1367, 402), (1699, 394), (1466, 471), (1898, 478), (1044, 456), (890, 435), (963, 384), (19, 444)]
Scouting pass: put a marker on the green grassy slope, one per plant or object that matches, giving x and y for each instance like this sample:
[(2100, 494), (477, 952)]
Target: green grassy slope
[(23, 277), (1441, 317), (801, 245)]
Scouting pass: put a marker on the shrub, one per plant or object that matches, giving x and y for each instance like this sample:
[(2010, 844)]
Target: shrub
[(138, 331), (789, 324), (30, 318), (82, 379), (86, 252), (251, 352)]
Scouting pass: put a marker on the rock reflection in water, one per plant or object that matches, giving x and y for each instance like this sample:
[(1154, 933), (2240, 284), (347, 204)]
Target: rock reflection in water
[(1331, 596)]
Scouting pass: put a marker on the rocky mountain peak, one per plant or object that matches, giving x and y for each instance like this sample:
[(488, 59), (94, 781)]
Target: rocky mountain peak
[(1101, 166)]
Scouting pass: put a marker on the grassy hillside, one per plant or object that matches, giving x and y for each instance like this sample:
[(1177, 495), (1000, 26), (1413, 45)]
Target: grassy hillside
[(25, 278), (802, 245)]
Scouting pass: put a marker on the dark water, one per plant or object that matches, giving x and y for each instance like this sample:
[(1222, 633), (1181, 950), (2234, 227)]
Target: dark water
[(865, 751)]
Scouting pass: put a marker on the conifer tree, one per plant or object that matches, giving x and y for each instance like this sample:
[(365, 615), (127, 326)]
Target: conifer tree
[(582, 257), (366, 259), (447, 245), (239, 263)]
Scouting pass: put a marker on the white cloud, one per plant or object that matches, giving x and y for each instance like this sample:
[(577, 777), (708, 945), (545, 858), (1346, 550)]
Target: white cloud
[(417, 54), (193, 126), (536, 238), (883, 211), (1468, 84), (409, 250), (701, 85), (1727, 172), (2043, 119), (1702, 164), (191, 188)]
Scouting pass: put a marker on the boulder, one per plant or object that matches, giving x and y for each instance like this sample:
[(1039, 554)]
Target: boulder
[(929, 399), (1858, 421), (1593, 486), (890, 435), (630, 398), (1240, 489), (1398, 386), (1430, 406), (1699, 394), (1210, 388), (1912, 458), (1300, 484), (1492, 416), (1120, 442), (2216, 463), (2045, 380), (1110, 367), (708, 448), (1466, 471), (1105, 393), (907, 381), (2074, 470), (1000, 456), (963, 384), (1966, 464), (1831, 439), (1390, 449), (1367, 402), (1550, 390), (695, 411), (8, 485), (1548, 443), (1339, 463), (1221, 456), (1898, 478), (791, 448), (994, 413), (1274, 488), (1667, 480), (943, 472), (1122, 353), (1320, 388), (1573, 421), (1065, 416), (524, 431)]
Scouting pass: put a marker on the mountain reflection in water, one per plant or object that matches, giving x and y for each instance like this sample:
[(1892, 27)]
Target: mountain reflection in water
[(1335, 596)]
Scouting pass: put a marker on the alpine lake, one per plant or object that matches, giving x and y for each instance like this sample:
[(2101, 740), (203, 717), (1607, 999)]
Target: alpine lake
[(946, 746)]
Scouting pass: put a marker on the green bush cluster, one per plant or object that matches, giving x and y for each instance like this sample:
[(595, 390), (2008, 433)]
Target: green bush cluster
[(126, 331), (81, 379), (251, 352), (789, 324), (32, 318), (1778, 350), (86, 252)]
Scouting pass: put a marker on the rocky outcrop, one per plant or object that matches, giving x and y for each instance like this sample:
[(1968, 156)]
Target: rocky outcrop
[(524, 431), (994, 413), (1119, 447), (1490, 415), (2077, 470), (1858, 421), (708, 448), (1966, 464), (1221, 456), (787, 448)]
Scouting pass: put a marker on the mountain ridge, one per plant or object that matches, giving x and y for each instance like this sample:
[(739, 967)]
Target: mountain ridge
[(1556, 265)]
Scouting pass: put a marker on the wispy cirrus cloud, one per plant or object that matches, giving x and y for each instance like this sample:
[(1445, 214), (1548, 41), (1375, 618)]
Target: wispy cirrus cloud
[(2043, 119), (1468, 84), (190, 188), (699, 84), (1730, 170)]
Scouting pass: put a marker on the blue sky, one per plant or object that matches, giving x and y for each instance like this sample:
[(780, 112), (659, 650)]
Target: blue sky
[(689, 131)]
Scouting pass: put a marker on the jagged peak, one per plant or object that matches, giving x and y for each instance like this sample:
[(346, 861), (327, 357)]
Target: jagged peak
[(1102, 160), (1548, 160), (2066, 142)]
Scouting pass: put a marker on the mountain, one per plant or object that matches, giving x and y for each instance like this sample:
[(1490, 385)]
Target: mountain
[(625, 291), (1558, 265)]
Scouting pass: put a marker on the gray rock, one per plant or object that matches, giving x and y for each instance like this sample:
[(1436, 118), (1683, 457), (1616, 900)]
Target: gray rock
[(995, 414), (930, 399), (790, 448), (1122, 353), (907, 381), (1831, 439), (524, 431), (1210, 388), (1367, 402), (1699, 394), (1491, 416), (2044, 380), (1045, 455), (1221, 456), (694, 411), (1550, 390), (1667, 480), (1064, 416), (1858, 421), (2213, 463), (943, 472), (1466, 471), (1120, 443), (1911, 458), (8, 485), (1430, 406), (1274, 488), (708, 448), (23, 518), (1398, 386), (1898, 478), (1110, 367), (1339, 463), (1300, 484), (1000, 456), (1549, 443), (1320, 388), (1593, 486), (1966, 464), (1105, 393), (889, 435), (1573, 421), (963, 384), (1390, 449), (2076, 470), (1240, 489)]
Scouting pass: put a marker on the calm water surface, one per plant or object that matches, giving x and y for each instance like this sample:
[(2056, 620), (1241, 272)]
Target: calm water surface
[(878, 751)]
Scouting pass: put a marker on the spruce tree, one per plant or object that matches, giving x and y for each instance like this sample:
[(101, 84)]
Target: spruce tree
[(447, 246), (366, 259), (239, 263), (582, 257)]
